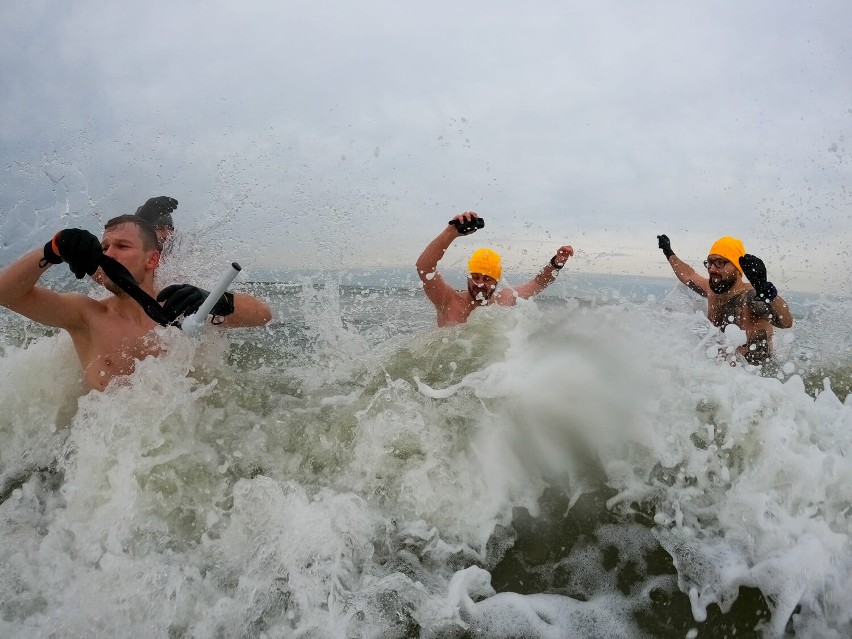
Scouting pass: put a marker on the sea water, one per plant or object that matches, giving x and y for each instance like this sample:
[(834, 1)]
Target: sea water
[(594, 463)]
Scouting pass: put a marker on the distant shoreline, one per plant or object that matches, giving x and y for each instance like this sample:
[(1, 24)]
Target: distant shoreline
[(404, 277)]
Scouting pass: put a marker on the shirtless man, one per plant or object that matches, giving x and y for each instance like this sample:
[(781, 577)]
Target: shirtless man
[(755, 308), (454, 307), (109, 335)]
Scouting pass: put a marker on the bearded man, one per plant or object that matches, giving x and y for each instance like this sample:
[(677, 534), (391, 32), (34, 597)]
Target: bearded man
[(484, 272), (755, 307)]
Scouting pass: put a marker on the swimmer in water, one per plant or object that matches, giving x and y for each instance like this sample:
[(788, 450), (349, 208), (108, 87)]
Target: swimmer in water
[(755, 307), (485, 269), (110, 335)]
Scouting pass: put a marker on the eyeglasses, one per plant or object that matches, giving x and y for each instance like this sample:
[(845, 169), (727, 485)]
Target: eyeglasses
[(479, 278), (718, 262)]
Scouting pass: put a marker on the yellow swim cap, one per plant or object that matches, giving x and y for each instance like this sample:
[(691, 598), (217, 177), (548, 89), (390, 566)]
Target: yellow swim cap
[(730, 248), (486, 262)]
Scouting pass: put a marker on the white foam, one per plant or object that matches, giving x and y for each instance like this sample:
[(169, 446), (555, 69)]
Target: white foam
[(367, 490)]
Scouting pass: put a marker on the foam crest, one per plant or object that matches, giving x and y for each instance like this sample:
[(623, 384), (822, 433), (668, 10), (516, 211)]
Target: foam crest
[(549, 470), (314, 547), (39, 399), (546, 616)]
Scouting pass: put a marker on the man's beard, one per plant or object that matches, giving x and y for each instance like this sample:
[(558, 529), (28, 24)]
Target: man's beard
[(723, 285), (480, 293)]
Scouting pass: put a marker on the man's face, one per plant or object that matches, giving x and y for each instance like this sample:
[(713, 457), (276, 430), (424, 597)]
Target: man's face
[(124, 244), (481, 287), (722, 273)]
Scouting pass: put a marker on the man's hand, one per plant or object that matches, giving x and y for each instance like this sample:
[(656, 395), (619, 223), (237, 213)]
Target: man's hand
[(80, 249), (755, 271), (665, 244), (185, 299), (562, 255), (467, 223), (157, 206)]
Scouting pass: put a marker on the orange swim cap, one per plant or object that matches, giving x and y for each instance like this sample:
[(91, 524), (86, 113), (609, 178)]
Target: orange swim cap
[(486, 262), (730, 248)]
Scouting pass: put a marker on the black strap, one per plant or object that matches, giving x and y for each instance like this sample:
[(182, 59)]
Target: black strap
[(125, 281)]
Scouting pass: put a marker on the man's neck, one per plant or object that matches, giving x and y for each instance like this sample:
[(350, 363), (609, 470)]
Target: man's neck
[(125, 306), (737, 289)]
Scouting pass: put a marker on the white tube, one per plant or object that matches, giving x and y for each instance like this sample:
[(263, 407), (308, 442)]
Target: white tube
[(193, 324)]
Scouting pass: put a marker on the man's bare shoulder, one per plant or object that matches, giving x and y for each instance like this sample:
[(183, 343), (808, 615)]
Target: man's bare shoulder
[(91, 311), (506, 297), (457, 297), (88, 304)]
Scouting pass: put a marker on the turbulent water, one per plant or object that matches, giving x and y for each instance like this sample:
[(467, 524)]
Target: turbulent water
[(581, 466)]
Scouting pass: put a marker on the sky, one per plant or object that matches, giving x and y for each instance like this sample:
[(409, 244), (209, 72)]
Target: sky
[(341, 135)]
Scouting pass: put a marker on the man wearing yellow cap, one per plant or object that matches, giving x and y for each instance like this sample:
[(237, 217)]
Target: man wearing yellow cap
[(755, 307), (485, 269)]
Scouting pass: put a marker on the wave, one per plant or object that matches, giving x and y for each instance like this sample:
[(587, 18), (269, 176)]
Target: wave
[(565, 468)]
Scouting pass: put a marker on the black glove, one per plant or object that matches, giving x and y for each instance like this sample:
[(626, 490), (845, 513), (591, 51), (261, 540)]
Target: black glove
[(466, 228), (156, 207), (755, 272), (665, 243), (80, 249), (185, 299)]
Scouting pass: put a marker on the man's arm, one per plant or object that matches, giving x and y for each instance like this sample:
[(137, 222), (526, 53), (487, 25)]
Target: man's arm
[(776, 310), (781, 316), (19, 293), (683, 271), (248, 311), (232, 310), (544, 278), (435, 287)]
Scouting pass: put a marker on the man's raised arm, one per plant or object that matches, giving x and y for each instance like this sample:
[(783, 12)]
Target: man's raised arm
[(683, 271), (544, 278), (18, 290), (427, 264)]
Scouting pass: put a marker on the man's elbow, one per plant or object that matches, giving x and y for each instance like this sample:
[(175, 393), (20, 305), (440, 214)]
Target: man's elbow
[(262, 313), (425, 273), (250, 312), (265, 315)]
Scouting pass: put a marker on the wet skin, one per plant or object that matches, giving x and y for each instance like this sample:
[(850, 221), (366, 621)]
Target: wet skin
[(731, 301)]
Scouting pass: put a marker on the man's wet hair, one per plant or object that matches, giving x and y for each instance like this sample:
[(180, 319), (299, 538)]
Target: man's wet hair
[(146, 230)]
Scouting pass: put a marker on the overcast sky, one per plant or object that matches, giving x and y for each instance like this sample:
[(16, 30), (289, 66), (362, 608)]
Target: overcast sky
[(346, 134)]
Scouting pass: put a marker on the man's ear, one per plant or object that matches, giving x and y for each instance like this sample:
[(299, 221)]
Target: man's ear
[(153, 260)]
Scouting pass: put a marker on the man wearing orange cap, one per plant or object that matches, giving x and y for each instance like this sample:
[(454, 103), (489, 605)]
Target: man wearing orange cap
[(485, 269), (755, 307)]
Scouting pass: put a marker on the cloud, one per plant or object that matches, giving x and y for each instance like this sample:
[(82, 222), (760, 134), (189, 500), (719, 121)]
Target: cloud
[(347, 134)]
